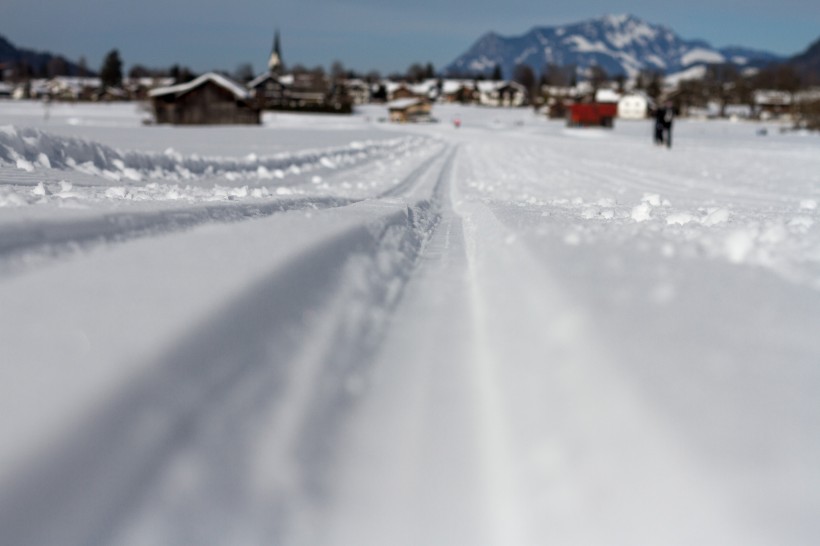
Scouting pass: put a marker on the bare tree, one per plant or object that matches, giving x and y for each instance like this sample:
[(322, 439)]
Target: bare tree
[(597, 77), (525, 75), (337, 71)]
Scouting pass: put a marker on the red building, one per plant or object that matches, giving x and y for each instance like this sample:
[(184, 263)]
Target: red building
[(592, 114)]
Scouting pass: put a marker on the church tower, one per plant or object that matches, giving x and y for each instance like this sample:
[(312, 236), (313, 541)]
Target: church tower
[(275, 62)]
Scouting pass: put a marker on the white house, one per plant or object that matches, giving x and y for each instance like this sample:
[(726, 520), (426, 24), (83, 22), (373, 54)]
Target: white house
[(634, 106), (502, 93)]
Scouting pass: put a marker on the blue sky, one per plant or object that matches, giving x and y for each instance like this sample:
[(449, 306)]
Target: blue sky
[(386, 35)]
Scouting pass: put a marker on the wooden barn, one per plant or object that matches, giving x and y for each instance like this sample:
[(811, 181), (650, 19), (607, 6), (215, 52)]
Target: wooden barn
[(211, 99), (409, 110)]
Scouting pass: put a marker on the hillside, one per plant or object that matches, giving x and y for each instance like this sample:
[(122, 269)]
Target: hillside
[(808, 63), (37, 61)]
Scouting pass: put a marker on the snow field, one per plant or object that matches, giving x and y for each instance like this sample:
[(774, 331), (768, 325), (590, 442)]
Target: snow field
[(508, 333)]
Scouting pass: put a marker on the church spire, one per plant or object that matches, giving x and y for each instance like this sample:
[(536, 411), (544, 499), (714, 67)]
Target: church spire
[(275, 61)]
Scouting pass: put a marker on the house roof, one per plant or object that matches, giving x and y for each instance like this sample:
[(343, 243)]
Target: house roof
[(607, 95), (238, 91), (453, 86), (401, 104)]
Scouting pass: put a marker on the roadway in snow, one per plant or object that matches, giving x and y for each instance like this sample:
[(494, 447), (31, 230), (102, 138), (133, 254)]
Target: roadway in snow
[(333, 331)]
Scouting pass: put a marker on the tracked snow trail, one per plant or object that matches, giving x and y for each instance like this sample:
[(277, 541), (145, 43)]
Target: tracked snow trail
[(498, 415), (301, 310), (506, 334)]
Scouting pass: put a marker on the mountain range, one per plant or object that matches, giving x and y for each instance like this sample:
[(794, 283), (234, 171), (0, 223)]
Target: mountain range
[(620, 44)]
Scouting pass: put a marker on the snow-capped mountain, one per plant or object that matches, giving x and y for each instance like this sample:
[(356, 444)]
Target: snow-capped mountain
[(620, 44)]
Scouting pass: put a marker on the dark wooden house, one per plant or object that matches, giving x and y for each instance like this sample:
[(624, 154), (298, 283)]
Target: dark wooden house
[(303, 92), (410, 110), (211, 99)]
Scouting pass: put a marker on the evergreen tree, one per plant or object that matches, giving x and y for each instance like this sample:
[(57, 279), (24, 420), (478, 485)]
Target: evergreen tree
[(111, 71), (497, 76)]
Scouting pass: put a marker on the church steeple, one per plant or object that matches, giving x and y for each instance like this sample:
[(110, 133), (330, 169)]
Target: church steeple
[(275, 61)]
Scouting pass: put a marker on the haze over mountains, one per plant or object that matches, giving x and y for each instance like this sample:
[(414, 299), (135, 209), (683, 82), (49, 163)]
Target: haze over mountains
[(620, 44)]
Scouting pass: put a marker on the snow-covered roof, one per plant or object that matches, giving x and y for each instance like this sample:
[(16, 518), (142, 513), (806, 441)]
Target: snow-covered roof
[(259, 79), (401, 104), (392, 86), (636, 94), (769, 96), (220, 80), (425, 87), (607, 95), (452, 86)]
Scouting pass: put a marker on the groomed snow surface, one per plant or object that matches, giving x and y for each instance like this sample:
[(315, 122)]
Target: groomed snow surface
[(335, 331)]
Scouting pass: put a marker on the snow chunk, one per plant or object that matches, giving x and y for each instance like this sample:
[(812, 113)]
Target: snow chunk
[(652, 198), (715, 217), (24, 165), (642, 212), (39, 190)]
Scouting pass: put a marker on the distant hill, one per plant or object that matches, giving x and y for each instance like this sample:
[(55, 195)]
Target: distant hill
[(38, 62), (807, 63), (620, 44)]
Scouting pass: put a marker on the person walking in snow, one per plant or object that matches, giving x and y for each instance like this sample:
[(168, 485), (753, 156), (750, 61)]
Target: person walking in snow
[(663, 124)]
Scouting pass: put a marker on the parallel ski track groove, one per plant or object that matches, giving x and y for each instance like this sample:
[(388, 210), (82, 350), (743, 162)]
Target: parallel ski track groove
[(47, 239), (87, 488)]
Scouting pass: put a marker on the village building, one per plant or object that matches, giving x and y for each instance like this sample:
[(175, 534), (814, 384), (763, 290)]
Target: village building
[(607, 96), (357, 90), (138, 88), (502, 93), (557, 100), (459, 91), (484, 93), (300, 92), (772, 104), (411, 110), (69, 88), (635, 105), (303, 92), (430, 89), (399, 90), (211, 99)]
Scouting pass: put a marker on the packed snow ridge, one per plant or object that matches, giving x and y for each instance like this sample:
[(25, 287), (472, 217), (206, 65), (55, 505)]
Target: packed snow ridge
[(28, 149)]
